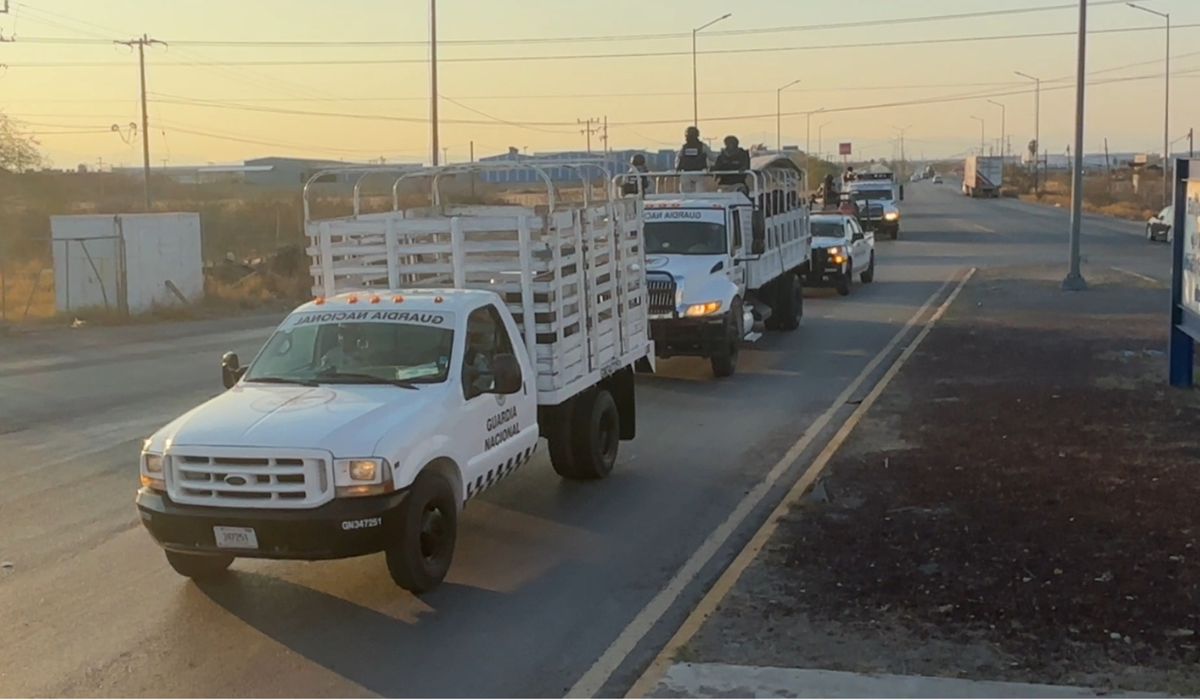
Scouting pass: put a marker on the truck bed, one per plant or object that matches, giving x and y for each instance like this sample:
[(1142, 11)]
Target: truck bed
[(578, 274)]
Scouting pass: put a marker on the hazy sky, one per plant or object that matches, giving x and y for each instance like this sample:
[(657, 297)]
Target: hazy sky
[(208, 105)]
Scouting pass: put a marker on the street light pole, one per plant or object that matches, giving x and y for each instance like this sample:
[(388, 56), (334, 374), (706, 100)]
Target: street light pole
[(433, 79), (1166, 106), (1003, 122), (982, 133), (695, 80), (808, 129), (903, 161), (1037, 125), (820, 143), (1074, 281), (779, 115)]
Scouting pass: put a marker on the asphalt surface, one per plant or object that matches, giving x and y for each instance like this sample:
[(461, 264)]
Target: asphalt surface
[(547, 574)]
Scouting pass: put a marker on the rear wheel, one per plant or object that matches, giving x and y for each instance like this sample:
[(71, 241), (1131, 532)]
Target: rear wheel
[(199, 566), (789, 299), (419, 560), (1149, 233), (597, 436)]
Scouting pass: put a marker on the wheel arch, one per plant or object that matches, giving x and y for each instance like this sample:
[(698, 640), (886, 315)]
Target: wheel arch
[(449, 470)]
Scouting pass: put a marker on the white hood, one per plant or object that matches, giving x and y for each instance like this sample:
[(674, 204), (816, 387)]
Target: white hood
[(694, 275), (824, 242), (334, 418)]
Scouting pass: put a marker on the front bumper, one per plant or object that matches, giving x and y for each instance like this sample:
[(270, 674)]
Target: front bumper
[(823, 271), (688, 337), (339, 529)]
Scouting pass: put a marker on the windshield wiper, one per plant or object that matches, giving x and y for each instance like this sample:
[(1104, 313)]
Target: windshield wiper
[(282, 380), (359, 378)]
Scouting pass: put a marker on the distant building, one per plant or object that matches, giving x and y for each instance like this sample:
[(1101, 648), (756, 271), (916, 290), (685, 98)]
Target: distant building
[(273, 171)]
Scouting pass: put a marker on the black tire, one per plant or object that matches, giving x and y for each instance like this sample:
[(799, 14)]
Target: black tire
[(596, 437), (789, 302), (421, 556), (868, 275), (199, 566), (845, 280), (724, 364), (895, 233)]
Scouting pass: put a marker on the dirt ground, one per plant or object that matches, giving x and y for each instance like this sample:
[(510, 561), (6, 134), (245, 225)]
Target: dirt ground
[(1022, 504)]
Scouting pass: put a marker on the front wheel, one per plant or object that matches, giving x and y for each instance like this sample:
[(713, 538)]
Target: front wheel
[(789, 301), (868, 275), (724, 362), (199, 566), (844, 279), (419, 559)]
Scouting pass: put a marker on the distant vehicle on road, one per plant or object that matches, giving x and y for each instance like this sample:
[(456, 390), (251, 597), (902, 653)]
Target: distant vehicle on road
[(841, 249), (876, 194), (937, 179), (982, 176), (1158, 227)]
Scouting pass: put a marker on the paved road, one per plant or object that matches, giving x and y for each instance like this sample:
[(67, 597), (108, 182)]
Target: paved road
[(547, 574)]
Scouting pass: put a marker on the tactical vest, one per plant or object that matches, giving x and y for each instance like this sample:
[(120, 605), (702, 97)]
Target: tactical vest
[(693, 157)]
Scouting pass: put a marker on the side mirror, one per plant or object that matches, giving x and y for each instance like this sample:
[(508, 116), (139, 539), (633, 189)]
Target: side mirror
[(858, 236), (508, 374), (231, 369)]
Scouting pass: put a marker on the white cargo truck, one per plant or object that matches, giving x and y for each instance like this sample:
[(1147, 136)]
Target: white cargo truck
[(725, 265), (983, 176), (443, 342)]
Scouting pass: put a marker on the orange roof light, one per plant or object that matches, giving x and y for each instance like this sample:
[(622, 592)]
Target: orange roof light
[(437, 300), (374, 298), (319, 300), (398, 298), (353, 299)]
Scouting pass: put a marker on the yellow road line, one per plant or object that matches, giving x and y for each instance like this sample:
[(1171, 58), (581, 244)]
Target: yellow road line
[(650, 679), (594, 679)]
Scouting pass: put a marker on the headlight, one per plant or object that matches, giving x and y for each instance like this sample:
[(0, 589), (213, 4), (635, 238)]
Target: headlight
[(891, 216), (363, 477), (834, 251), (152, 471), (705, 309)]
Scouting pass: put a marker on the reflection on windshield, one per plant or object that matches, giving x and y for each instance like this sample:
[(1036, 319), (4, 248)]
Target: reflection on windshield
[(685, 238), (409, 352), (828, 229)]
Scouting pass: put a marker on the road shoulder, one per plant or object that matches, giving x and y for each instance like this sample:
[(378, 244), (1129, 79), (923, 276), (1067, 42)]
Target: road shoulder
[(1018, 506)]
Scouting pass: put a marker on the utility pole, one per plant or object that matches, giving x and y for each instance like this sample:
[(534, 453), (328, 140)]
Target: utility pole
[(141, 45), (433, 79), (1003, 122), (1037, 124), (446, 155), (808, 129), (604, 136), (903, 160), (982, 134), (588, 130), (1191, 144), (695, 80), (1074, 281)]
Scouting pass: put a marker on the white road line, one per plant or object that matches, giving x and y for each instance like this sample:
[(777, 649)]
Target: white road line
[(1138, 275), (594, 679)]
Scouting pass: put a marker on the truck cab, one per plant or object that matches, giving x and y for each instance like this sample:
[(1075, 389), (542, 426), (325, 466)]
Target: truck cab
[(877, 197), (723, 266)]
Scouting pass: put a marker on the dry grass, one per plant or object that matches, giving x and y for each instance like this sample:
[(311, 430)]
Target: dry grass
[(26, 291), (1119, 210)]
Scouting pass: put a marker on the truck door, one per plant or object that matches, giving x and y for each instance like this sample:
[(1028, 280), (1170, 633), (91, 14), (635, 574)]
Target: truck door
[(740, 227), (499, 430)]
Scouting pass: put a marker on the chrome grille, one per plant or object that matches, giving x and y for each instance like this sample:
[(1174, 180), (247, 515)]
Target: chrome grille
[(661, 293), (201, 477)]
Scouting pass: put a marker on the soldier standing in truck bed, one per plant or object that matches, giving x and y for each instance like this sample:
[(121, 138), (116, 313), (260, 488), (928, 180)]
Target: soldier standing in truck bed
[(692, 162)]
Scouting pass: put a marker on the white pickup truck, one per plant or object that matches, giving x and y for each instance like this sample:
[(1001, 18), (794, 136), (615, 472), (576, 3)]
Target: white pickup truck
[(443, 343), (722, 266)]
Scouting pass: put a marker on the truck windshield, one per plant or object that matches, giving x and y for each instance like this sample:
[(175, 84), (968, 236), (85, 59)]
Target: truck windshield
[(828, 229), (685, 238), (872, 194), (355, 353)]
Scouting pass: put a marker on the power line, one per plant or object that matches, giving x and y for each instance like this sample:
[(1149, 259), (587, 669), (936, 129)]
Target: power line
[(858, 24), (621, 55)]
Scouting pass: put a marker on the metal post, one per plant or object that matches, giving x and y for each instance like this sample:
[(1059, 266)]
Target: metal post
[(820, 142), (433, 80), (1167, 102), (1074, 280), (982, 134), (141, 44), (1037, 124), (1003, 126), (1181, 347), (695, 79)]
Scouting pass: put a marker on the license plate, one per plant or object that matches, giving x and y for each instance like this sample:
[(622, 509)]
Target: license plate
[(236, 537)]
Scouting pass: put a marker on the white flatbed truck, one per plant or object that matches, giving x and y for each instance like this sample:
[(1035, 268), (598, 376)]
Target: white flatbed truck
[(724, 266), (443, 342)]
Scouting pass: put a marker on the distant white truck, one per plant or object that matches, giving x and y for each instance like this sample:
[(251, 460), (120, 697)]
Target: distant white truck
[(722, 266), (983, 176), (443, 343)]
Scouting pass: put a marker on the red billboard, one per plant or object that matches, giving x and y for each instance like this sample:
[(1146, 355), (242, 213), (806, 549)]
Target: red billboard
[(843, 149)]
